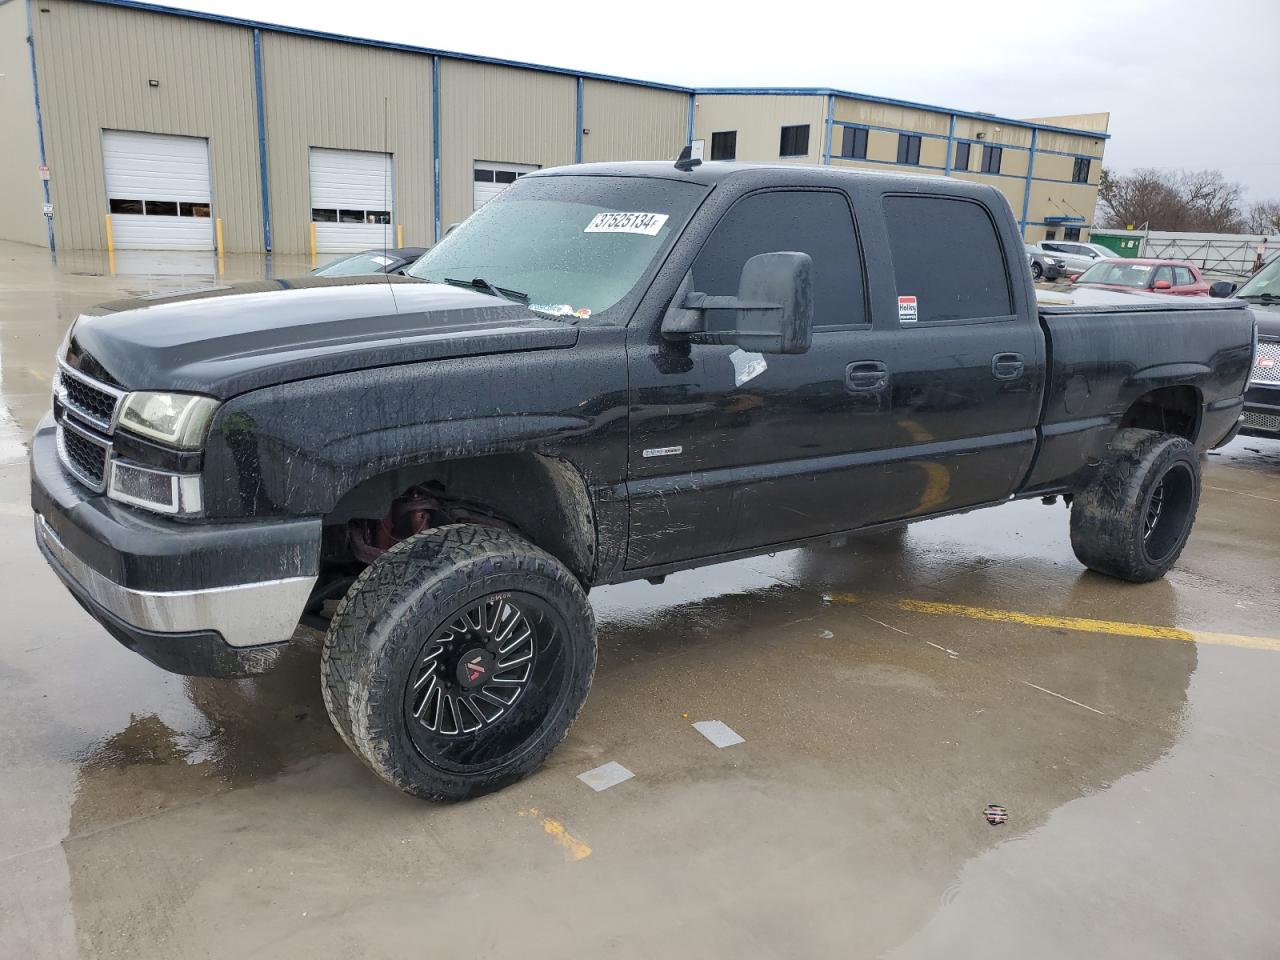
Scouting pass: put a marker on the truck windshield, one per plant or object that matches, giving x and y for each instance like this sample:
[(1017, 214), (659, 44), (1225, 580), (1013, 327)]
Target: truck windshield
[(576, 246), (1117, 274), (1263, 285)]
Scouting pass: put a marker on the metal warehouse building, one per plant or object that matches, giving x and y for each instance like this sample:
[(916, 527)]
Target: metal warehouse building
[(204, 132)]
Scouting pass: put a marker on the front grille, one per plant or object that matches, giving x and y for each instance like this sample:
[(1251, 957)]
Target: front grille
[(1266, 365), (85, 455), (94, 401), (1261, 421), (86, 410)]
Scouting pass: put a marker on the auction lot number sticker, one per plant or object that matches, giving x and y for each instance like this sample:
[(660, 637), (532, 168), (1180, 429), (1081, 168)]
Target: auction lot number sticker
[(647, 224)]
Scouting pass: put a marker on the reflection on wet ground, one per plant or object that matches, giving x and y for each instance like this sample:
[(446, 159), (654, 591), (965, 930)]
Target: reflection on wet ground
[(150, 815)]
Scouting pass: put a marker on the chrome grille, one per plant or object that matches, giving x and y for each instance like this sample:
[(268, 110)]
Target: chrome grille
[(86, 410), (1266, 365), (84, 454), (1261, 421)]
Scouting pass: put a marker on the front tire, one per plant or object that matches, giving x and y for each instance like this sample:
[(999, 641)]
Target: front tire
[(458, 661), (1037, 271), (1134, 519)]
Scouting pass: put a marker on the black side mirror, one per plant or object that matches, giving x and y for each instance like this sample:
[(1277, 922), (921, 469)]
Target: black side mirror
[(774, 307), (1222, 289)]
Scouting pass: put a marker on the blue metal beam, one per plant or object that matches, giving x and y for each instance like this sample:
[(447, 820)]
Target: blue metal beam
[(435, 144), (35, 92), (264, 179), (951, 143), (577, 135), (831, 113), (692, 107), (1026, 191)]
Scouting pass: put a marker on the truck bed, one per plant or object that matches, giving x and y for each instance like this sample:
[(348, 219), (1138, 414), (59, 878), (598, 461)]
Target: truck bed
[(1107, 349)]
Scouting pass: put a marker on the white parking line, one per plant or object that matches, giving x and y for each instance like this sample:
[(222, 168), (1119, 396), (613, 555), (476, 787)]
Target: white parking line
[(718, 733), (605, 776)]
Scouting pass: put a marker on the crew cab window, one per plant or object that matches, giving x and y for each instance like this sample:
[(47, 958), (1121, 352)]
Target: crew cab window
[(947, 255), (818, 223), (1183, 277)]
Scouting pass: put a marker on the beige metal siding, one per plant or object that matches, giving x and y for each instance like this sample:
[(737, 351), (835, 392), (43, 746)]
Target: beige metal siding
[(324, 94), (885, 115), (759, 119), (20, 194), (499, 114), (95, 63), (632, 123)]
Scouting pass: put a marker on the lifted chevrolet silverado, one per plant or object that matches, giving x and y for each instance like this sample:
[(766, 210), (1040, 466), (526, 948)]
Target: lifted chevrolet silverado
[(609, 372)]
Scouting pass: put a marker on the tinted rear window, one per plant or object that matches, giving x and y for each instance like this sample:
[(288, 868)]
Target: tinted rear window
[(946, 254)]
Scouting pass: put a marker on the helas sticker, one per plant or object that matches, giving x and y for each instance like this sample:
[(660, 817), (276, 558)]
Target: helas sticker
[(646, 224), (907, 310)]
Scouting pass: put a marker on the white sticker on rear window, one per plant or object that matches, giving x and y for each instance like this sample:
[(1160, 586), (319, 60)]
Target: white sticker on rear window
[(647, 224), (907, 310), (381, 261)]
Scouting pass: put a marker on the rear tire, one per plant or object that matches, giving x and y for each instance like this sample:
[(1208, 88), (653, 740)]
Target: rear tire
[(1134, 518), (458, 661)]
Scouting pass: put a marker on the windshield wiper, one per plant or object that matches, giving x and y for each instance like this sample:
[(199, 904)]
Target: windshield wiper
[(1264, 297), (480, 283)]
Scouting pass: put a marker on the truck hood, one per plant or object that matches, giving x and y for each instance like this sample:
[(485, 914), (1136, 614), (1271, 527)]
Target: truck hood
[(226, 340)]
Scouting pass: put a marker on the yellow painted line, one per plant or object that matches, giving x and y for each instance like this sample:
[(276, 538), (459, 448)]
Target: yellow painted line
[(1119, 628), (574, 849), (1113, 627)]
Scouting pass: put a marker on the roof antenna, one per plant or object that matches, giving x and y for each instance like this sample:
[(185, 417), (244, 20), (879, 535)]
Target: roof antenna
[(687, 161)]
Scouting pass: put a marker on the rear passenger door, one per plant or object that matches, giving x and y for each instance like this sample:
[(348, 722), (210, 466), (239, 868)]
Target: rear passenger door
[(965, 355)]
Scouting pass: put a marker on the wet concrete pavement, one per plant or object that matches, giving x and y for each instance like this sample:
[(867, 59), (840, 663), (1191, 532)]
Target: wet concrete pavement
[(887, 691)]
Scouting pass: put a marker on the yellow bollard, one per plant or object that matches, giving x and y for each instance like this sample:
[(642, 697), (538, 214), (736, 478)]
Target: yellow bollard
[(399, 234), (217, 232), (313, 244), (111, 245)]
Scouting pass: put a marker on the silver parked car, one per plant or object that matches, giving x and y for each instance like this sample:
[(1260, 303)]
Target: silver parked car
[(1044, 266), (1077, 256)]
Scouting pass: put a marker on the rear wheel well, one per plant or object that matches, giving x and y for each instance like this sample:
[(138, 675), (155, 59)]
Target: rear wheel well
[(1172, 410), (543, 499)]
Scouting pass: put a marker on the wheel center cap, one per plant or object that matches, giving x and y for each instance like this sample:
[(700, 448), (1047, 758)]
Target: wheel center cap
[(475, 667)]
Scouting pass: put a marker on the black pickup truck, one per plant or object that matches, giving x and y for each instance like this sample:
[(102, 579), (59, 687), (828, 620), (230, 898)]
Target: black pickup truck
[(609, 372)]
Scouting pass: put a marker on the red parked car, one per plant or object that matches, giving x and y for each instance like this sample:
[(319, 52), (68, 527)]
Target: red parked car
[(1177, 277)]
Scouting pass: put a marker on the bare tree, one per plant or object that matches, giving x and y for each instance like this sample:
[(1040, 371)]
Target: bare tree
[(1199, 201), (1263, 217)]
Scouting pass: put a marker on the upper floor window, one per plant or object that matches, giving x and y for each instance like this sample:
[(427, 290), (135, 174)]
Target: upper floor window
[(1080, 171), (724, 145), (909, 149), (794, 141), (991, 157), (853, 146)]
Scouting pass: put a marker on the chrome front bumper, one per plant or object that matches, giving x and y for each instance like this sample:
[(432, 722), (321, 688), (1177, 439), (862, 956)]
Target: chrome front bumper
[(244, 615)]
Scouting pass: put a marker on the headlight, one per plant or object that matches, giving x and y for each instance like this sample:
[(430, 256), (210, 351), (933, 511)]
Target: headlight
[(158, 490), (178, 419)]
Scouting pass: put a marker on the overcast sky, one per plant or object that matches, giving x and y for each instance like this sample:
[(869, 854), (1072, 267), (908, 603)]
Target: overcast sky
[(1188, 84)]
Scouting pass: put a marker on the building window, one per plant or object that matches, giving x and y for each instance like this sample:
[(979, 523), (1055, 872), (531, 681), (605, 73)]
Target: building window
[(794, 141), (909, 149), (854, 144), (1071, 233), (1051, 234), (117, 205), (724, 145), (1080, 172), (991, 157), (962, 156)]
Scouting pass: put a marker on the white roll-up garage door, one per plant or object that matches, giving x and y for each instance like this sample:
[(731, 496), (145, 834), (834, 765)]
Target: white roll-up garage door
[(351, 200), (158, 191), (492, 178)]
